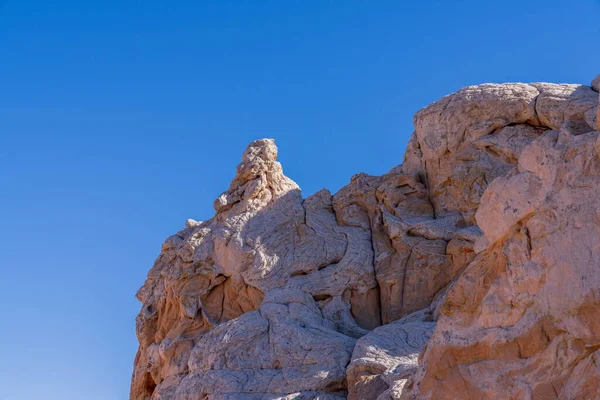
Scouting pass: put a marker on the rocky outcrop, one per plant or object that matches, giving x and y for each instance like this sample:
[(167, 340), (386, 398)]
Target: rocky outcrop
[(468, 271), (522, 320)]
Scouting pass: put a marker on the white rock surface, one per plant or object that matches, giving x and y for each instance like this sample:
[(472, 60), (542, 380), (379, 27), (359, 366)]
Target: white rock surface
[(384, 358)]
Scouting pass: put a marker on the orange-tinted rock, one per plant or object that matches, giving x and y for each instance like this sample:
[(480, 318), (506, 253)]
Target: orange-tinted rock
[(485, 240)]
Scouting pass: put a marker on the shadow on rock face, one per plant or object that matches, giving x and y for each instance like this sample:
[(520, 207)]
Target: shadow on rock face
[(271, 296)]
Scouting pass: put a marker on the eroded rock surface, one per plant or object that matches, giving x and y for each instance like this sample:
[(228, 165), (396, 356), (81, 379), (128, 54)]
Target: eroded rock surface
[(467, 272), (384, 358)]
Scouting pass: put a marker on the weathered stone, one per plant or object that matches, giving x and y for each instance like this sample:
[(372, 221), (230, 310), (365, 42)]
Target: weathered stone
[(485, 240), (521, 322), (386, 356), (596, 87), (596, 83), (211, 276), (286, 344), (558, 104)]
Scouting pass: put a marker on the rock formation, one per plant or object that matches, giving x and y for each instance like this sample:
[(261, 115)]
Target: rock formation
[(466, 272)]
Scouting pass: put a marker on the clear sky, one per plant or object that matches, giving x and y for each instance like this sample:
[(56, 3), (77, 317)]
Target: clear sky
[(120, 119)]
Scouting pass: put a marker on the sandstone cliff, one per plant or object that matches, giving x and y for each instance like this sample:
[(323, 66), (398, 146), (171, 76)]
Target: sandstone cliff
[(470, 271)]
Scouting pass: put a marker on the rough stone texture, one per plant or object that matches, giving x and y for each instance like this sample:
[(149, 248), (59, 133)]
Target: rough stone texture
[(596, 83), (311, 280), (485, 240), (384, 358), (522, 321), (596, 87)]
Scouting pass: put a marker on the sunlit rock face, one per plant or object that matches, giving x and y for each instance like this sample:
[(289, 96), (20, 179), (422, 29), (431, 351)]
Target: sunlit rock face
[(467, 272)]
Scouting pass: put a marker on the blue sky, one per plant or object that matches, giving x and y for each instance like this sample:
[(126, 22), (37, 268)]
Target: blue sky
[(119, 119)]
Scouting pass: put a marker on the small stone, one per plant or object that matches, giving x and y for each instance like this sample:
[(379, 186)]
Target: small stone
[(596, 83), (190, 223)]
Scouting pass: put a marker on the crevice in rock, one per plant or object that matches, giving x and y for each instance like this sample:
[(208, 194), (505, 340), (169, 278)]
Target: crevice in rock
[(373, 263), (321, 297)]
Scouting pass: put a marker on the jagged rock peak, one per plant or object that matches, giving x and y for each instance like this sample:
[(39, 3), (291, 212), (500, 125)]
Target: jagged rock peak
[(259, 178)]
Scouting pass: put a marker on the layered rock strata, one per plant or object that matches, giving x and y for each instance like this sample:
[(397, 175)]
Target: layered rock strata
[(466, 272)]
